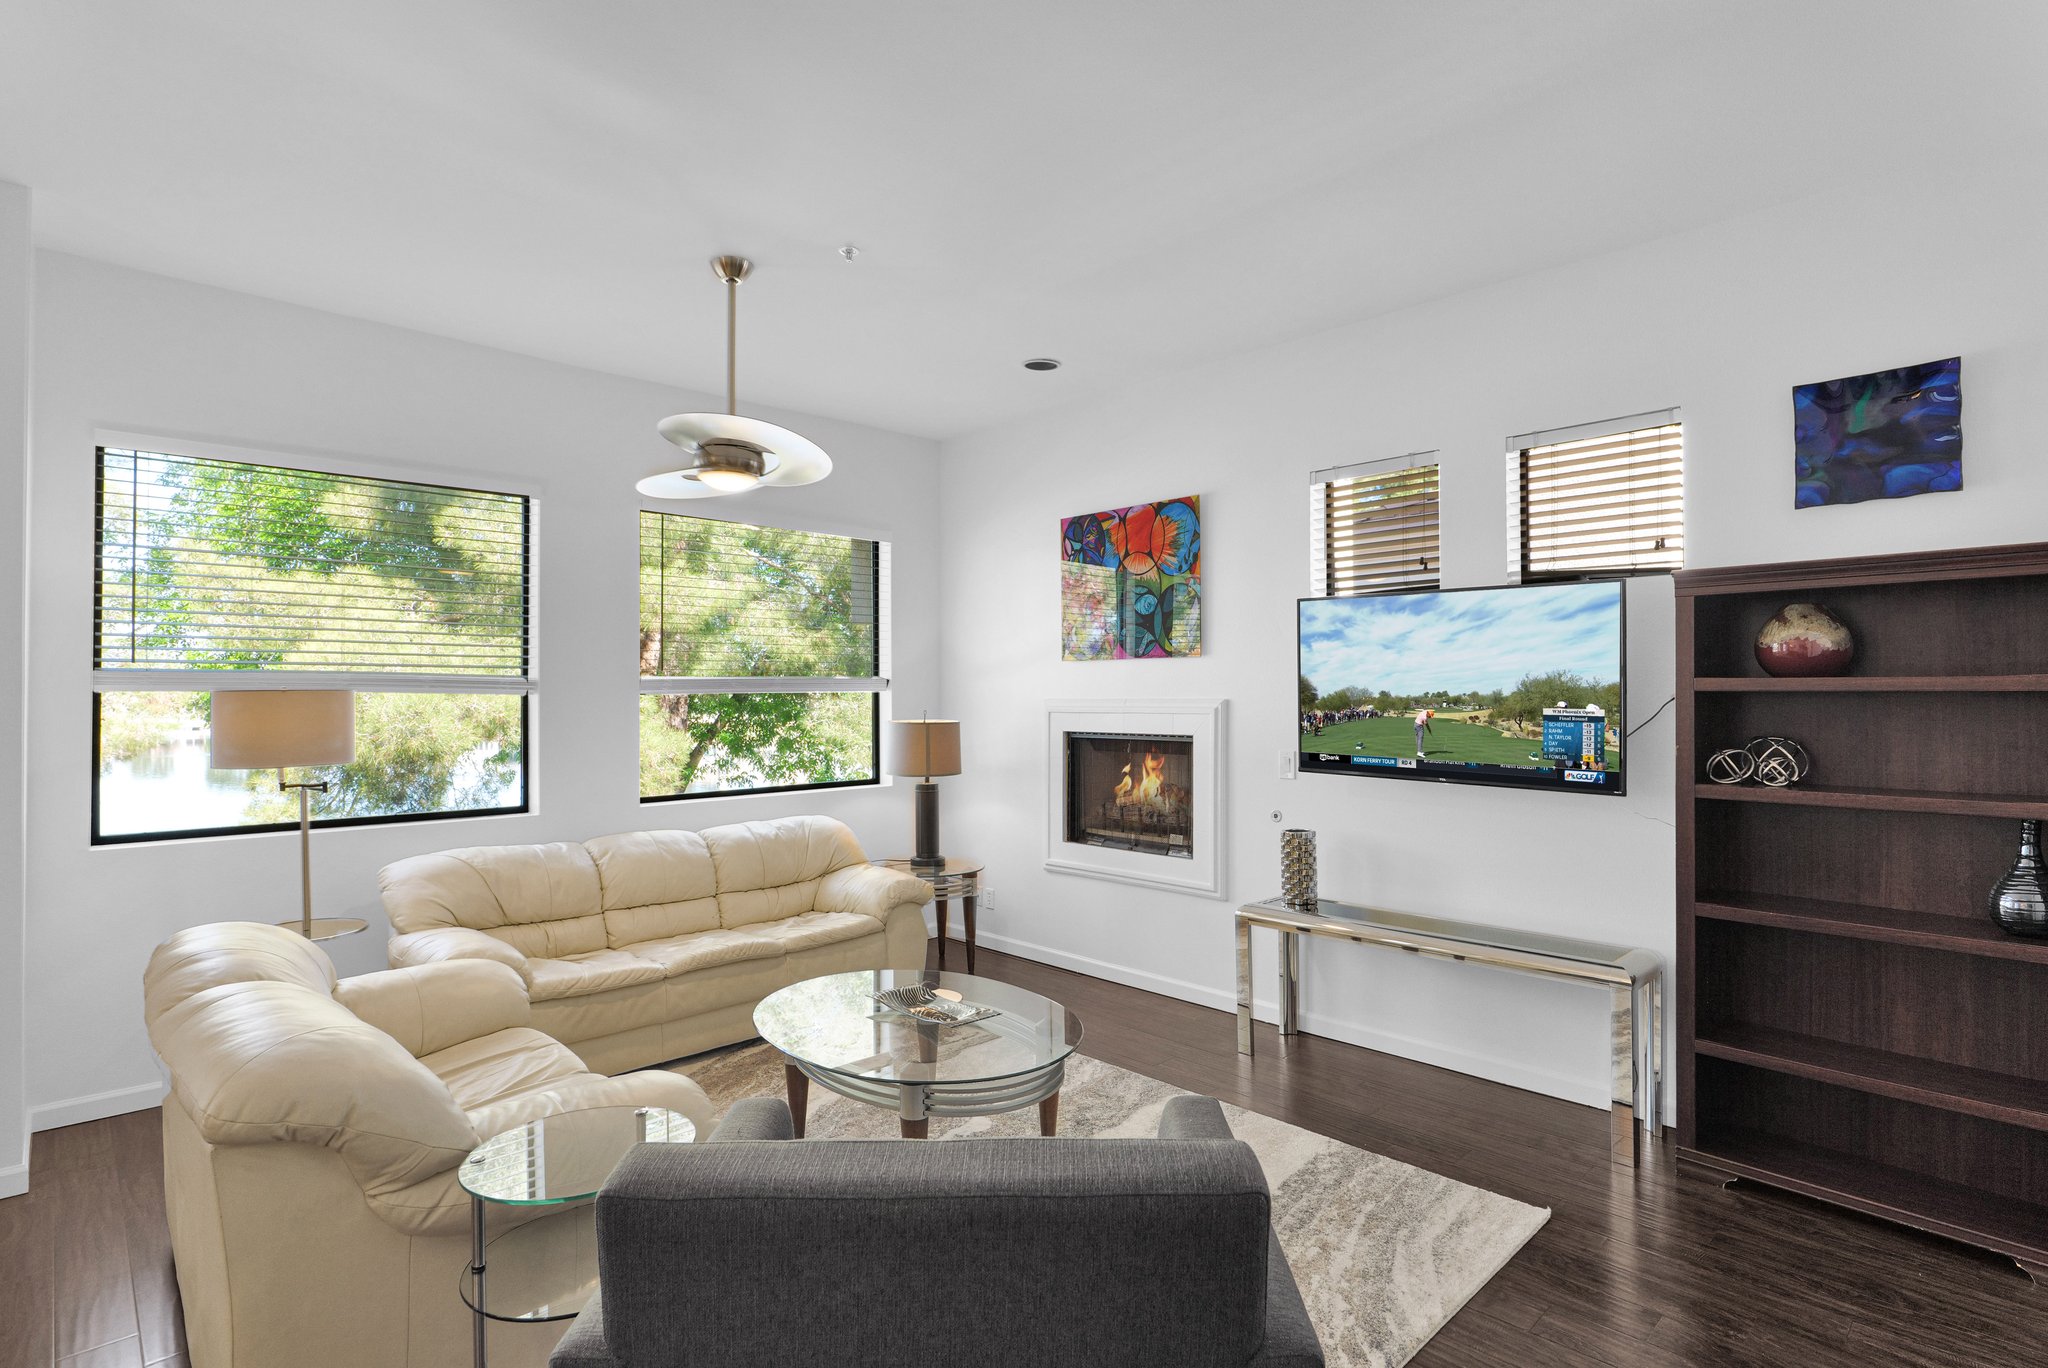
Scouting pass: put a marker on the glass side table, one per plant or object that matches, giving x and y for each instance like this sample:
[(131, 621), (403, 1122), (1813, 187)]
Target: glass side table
[(546, 1269), (957, 878)]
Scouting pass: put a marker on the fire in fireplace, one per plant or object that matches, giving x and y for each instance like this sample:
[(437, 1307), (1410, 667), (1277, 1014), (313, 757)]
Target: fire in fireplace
[(1131, 792)]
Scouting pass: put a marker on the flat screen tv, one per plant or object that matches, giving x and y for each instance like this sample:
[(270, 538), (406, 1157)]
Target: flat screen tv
[(1520, 686)]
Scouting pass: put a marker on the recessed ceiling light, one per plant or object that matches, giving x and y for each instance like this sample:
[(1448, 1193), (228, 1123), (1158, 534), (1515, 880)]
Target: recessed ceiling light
[(1041, 363)]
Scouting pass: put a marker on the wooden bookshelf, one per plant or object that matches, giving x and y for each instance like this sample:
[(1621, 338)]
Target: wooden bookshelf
[(1851, 1023)]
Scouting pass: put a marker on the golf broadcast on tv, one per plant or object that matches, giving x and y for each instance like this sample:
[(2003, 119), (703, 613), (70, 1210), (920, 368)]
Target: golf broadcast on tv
[(1518, 686)]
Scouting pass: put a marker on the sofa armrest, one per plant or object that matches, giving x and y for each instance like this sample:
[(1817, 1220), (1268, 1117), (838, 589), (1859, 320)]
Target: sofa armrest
[(870, 890), (757, 1118), (1192, 1117), (455, 942), (584, 1345), (429, 1007)]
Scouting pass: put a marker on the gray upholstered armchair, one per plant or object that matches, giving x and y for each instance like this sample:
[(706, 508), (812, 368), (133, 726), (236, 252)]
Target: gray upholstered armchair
[(902, 1254)]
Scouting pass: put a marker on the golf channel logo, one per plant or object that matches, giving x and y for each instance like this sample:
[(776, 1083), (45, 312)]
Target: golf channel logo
[(1584, 777)]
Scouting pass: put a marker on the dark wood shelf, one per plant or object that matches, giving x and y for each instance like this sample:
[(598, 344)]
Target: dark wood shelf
[(1880, 800), (1930, 1083), (1829, 941), (1923, 930), (2014, 1228), (2009, 683)]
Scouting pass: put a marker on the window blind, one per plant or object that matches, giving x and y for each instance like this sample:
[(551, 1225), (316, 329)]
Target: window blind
[(730, 607), (208, 565), (1595, 501), (1374, 527)]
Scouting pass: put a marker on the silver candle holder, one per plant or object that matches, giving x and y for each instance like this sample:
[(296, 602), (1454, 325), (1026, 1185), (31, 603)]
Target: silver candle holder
[(1298, 868)]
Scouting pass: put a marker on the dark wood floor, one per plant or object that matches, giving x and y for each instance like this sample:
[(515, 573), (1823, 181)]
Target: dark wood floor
[(1634, 1270)]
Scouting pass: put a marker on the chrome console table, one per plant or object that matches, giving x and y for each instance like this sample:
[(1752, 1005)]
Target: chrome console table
[(1635, 978)]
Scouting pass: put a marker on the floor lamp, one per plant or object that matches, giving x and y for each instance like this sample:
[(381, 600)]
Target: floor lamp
[(285, 729), (923, 749)]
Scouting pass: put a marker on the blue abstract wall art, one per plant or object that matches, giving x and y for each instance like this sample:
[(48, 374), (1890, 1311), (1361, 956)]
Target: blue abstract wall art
[(1886, 435)]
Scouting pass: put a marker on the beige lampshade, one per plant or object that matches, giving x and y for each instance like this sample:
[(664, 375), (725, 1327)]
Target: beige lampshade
[(922, 748), (282, 728)]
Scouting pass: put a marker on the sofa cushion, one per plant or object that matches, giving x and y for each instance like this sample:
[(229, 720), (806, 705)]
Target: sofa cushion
[(813, 929), (592, 972), (655, 884), (502, 1064), (770, 870), (704, 949), (541, 899)]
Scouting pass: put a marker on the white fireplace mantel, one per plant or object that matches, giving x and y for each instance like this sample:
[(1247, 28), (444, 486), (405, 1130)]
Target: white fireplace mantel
[(1199, 718)]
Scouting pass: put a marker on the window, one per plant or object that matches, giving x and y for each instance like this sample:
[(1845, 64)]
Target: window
[(1373, 526), (761, 657), (220, 574), (1603, 498)]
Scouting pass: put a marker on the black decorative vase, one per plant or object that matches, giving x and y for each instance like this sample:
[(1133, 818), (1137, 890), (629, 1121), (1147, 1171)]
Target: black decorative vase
[(2019, 903)]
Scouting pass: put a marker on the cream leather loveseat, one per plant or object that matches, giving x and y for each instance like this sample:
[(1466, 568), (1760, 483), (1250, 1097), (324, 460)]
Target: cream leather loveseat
[(645, 947), (312, 1136)]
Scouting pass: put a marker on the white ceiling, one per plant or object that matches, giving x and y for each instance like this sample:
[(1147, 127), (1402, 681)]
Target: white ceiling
[(1128, 185)]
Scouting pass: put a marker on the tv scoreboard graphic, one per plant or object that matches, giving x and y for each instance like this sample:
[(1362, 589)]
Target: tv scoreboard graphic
[(1576, 739)]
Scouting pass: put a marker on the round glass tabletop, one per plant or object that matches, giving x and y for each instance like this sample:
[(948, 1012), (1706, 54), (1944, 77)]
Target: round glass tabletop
[(567, 1157), (834, 1023), (953, 868), (545, 1270)]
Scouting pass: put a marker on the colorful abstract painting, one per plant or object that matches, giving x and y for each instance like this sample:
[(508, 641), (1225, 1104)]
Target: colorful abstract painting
[(1131, 582), (1885, 435)]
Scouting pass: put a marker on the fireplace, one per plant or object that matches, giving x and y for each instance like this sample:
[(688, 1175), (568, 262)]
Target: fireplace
[(1134, 792), (1131, 791)]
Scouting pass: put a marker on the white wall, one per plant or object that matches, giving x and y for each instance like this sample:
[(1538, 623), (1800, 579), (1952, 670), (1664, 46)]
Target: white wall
[(16, 292), (1721, 322), (118, 349)]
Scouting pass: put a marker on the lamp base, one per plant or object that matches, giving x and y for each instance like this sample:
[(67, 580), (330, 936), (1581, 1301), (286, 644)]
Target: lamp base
[(926, 857)]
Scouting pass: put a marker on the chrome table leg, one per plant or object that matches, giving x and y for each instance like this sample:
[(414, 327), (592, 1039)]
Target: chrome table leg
[(1290, 983), (1623, 1134), (1244, 987), (476, 1276)]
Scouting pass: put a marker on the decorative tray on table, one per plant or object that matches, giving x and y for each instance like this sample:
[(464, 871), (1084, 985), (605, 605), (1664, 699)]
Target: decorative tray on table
[(921, 1002)]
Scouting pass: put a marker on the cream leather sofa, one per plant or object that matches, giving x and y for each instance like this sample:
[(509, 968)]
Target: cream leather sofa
[(649, 946), (312, 1136)]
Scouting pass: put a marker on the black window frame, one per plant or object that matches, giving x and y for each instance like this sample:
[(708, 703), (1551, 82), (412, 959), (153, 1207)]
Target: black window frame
[(876, 604), (102, 686)]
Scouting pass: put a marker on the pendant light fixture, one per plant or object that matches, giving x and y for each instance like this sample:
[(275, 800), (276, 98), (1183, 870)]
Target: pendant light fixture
[(723, 452)]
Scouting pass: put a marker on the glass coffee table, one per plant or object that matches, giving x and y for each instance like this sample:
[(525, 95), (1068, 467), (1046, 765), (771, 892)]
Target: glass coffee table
[(832, 1032), (546, 1269)]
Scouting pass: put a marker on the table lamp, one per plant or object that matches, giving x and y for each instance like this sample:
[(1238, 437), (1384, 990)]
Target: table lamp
[(284, 729), (923, 749)]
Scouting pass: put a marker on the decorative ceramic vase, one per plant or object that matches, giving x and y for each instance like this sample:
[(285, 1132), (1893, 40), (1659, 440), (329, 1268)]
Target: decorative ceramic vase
[(2019, 902), (1805, 639), (1298, 869)]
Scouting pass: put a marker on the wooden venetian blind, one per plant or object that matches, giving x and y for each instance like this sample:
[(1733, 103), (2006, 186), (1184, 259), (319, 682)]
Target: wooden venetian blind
[(1607, 497), (1374, 526)]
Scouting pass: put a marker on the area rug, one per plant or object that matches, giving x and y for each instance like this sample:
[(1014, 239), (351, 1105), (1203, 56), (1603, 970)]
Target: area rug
[(1385, 1253)]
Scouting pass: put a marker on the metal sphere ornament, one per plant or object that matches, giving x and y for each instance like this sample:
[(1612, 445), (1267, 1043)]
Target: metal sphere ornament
[(1780, 762), (1731, 766)]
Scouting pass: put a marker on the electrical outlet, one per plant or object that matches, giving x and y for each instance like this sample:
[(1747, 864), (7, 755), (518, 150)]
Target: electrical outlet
[(1286, 763), (986, 900)]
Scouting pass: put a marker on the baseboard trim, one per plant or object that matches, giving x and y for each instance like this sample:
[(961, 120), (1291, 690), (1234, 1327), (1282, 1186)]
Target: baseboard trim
[(13, 1180), (1588, 1093), (73, 1111), (1117, 973)]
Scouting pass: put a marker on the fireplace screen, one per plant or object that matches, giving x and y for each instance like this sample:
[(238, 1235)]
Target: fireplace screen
[(1131, 792)]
